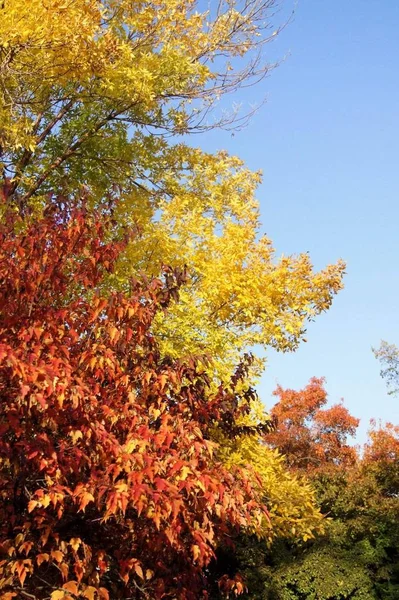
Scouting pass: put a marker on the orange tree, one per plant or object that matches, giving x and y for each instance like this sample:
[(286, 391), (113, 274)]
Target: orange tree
[(110, 486), (309, 435)]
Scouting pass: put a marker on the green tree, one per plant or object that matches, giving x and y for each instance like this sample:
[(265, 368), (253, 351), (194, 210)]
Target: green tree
[(357, 556), (388, 355)]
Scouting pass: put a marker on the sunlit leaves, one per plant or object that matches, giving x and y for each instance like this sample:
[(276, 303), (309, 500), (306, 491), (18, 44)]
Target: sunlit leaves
[(123, 456), (310, 436), (93, 91), (109, 481)]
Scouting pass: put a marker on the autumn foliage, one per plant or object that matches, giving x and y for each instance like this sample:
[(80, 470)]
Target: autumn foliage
[(103, 95), (356, 555), (131, 442), (309, 435), (109, 484)]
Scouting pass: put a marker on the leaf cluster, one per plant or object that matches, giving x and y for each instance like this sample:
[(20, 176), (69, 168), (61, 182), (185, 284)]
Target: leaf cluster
[(110, 483)]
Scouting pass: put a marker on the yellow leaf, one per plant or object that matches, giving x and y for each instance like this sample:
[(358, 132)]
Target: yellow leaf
[(201, 485), (155, 413), (75, 543), (45, 501), (184, 473), (58, 595), (89, 592), (196, 551), (76, 435)]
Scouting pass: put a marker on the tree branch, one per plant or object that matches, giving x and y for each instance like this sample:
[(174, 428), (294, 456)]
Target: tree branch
[(27, 154), (70, 151)]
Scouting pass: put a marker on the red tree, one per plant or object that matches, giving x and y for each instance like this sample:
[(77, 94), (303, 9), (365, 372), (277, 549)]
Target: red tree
[(109, 484), (309, 435)]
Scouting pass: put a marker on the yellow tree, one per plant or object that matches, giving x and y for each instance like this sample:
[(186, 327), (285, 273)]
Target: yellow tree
[(97, 96), (94, 93)]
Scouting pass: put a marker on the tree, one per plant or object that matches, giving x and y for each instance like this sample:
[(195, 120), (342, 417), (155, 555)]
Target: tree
[(93, 98), (75, 77), (94, 95), (388, 355), (308, 435), (113, 483), (110, 485), (356, 557)]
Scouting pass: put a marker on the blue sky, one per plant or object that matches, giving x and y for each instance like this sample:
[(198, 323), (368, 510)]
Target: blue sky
[(327, 141)]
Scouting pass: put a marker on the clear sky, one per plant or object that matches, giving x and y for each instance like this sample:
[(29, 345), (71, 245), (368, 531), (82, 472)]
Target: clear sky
[(328, 143)]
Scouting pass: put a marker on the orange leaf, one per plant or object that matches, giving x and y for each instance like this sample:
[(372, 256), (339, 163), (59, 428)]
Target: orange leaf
[(103, 593), (162, 380), (64, 570), (20, 568), (157, 520), (26, 547), (239, 588), (113, 333), (78, 570), (138, 570), (71, 586), (85, 498), (40, 558), (31, 505), (58, 555)]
